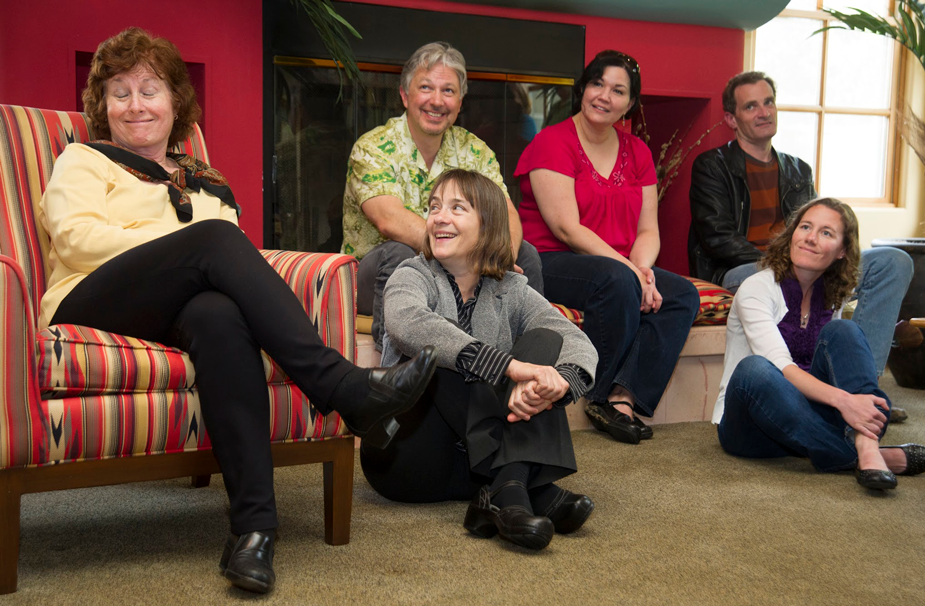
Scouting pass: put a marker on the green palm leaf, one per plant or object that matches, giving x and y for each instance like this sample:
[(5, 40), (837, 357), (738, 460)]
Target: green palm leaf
[(909, 31), (333, 30)]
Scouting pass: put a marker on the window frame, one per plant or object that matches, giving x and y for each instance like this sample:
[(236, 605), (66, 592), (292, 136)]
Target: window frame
[(893, 114)]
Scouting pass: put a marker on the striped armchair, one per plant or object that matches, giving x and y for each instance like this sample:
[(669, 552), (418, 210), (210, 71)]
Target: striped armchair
[(81, 407)]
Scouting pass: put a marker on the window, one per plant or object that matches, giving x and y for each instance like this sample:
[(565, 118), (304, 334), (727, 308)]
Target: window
[(837, 97)]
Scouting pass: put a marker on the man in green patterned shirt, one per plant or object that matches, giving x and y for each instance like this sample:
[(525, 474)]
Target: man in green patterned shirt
[(392, 168)]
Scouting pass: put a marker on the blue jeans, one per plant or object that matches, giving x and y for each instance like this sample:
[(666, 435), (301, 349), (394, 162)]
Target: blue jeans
[(885, 276), (733, 278), (636, 350), (766, 416)]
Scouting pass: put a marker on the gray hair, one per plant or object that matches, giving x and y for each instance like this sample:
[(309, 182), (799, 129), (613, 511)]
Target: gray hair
[(430, 55)]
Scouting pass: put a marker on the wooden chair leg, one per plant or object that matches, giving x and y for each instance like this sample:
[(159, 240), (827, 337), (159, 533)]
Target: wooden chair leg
[(10, 501), (338, 494), (200, 481)]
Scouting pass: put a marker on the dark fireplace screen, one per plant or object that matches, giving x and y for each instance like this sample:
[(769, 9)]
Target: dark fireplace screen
[(313, 134)]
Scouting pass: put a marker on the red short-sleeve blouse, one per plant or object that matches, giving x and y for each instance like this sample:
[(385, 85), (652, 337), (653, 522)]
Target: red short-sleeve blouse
[(609, 207)]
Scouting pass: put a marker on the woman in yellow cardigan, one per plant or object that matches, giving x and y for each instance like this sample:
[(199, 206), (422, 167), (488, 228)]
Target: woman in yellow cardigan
[(146, 243)]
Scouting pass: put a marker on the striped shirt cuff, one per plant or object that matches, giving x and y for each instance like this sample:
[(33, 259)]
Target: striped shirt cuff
[(480, 362), (578, 380)]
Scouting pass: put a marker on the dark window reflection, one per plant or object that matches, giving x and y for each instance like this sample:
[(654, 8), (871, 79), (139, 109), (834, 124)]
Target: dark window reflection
[(314, 135)]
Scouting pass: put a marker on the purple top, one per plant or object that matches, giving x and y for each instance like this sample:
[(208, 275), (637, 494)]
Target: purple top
[(802, 341)]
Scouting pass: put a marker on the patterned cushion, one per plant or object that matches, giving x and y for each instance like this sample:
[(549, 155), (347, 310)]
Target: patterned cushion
[(574, 316), (715, 302), (77, 361)]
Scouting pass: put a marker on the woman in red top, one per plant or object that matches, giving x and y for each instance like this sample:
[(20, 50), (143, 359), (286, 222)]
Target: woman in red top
[(591, 208)]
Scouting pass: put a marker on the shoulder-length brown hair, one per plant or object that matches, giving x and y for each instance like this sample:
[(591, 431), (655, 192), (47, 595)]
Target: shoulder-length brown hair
[(492, 255), (841, 277), (124, 52)]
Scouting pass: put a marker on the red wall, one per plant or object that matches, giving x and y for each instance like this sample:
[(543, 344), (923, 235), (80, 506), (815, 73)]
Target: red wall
[(39, 40)]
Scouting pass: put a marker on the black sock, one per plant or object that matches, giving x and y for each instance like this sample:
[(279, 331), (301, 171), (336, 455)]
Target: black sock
[(350, 393), (543, 496), (511, 495)]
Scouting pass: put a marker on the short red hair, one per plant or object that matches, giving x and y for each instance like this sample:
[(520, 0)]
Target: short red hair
[(124, 52)]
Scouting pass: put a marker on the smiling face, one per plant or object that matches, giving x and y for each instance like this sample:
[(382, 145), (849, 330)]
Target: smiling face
[(606, 100), (818, 240), (755, 118), (433, 101), (452, 227), (139, 109)]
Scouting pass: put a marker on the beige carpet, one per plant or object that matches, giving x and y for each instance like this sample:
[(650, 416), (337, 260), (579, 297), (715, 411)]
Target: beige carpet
[(677, 522)]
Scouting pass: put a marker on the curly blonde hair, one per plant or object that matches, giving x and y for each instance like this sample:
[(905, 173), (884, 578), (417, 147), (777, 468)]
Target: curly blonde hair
[(841, 277)]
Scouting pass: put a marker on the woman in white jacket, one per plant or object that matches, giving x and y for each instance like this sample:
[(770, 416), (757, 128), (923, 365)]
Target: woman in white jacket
[(797, 379)]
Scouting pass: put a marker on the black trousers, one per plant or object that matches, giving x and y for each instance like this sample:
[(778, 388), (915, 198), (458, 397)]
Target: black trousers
[(207, 290), (457, 437)]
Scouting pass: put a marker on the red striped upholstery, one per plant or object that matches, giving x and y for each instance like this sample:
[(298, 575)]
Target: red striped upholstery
[(715, 303), (73, 393)]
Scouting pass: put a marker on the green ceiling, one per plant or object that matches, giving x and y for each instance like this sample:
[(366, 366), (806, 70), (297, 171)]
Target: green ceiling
[(742, 14)]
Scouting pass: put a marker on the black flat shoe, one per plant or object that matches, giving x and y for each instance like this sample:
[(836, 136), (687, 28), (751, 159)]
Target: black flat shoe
[(915, 458), (248, 562), (898, 415), (514, 523), (569, 511), (876, 479), (392, 391), (645, 432), (604, 417)]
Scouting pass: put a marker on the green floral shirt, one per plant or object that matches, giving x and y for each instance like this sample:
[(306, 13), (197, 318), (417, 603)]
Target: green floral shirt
[(386, 162)]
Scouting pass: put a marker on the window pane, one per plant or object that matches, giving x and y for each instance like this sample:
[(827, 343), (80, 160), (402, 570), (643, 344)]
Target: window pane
[(878, 7), (796, 135), (802, 5), (860, 70), (854, 156), (786, 52)]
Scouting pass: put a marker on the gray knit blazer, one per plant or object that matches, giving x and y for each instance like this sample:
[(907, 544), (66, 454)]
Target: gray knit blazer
[(418, 300)]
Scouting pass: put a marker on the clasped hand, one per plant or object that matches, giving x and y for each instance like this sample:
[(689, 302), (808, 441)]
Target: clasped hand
[(536, 389), (651, 298), (860, 412)]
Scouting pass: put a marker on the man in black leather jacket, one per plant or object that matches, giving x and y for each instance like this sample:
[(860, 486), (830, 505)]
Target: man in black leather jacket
[(721, 207), (720, 201)]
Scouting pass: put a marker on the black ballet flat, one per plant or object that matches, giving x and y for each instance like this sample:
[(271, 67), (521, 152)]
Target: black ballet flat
[(569, 511), (645, 432), (915, 458), (876, 479), (604, 417), (514, 523), (393, 391)]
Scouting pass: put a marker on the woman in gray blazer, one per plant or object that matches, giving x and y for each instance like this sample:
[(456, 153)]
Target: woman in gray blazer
[(491, 425)]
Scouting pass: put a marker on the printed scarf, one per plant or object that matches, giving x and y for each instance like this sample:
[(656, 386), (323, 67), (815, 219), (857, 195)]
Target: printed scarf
[(194, 175)]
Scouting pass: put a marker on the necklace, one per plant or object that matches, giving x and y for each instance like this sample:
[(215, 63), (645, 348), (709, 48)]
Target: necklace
[(804, 320)]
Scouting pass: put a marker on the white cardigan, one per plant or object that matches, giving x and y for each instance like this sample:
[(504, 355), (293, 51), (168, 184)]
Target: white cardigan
[(751, 329)]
